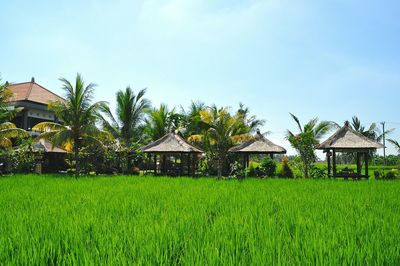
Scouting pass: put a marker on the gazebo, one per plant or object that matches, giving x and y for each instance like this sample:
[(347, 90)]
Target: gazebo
[(348, 140), (53, 156), (258, 145), (166, 151)]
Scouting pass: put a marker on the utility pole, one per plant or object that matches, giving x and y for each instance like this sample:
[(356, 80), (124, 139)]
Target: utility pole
[(384, 143)]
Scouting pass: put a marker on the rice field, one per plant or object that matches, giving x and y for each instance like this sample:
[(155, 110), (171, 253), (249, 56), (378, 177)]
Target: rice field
[(157, 220)]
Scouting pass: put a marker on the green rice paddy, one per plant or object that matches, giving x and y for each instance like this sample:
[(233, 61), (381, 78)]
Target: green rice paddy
[(155, 220)]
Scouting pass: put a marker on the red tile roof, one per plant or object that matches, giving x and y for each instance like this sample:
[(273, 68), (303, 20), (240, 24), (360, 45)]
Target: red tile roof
[(31, 91)]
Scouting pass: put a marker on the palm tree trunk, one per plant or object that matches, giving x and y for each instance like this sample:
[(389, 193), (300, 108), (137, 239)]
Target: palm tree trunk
[(76, 156)]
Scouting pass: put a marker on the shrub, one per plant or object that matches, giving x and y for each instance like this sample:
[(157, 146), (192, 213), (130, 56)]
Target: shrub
[(237, 171), (286, 171), (317, 172), (267, 167), (390, 175), (252, 170)]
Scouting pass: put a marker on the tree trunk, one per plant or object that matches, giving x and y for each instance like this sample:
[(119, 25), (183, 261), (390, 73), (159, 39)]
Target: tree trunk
[(76, 156)]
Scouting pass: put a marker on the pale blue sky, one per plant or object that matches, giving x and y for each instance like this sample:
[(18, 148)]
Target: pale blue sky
[(331, 59)]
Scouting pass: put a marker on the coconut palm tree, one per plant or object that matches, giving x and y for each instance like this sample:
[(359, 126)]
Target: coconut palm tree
[(130, 113), (372, 132), (159, 121), (78, 115), (304, 142), (395, 143), (223, 131), (8, 131), (5, 96)]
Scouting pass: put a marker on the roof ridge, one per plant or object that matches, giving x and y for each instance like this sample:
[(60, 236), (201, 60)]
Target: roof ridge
[(55, 94), (28, 93)]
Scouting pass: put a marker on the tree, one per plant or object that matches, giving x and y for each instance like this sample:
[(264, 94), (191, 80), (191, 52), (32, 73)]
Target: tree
[(130, 113), (6, 114), (159, 121), (304, 142), (396, 144), (222, 132), (192, 123), (127, 125), (8, 131), (78, 115), (372, 132)]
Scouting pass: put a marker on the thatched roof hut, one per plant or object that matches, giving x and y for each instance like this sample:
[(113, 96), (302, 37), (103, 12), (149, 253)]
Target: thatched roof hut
[(258, 145), (47, 147), (173, 145), (347, 139)]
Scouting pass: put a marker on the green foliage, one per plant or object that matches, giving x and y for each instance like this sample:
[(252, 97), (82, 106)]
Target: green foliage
[(79, 116), (222, 130), (130, 113), (286, 171), (304, 142), (252, 169), (267, 167), (159, 121), (391, 175), (51, 220), (237, 171)]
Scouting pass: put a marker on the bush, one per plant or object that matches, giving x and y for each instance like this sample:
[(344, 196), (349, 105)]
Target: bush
[(390, 175), (252, 169), (237, 171), (286, 171), (267, 167), (317, 172)]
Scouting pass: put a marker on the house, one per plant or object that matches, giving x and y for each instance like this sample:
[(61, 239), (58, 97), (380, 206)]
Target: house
[(34, 100)]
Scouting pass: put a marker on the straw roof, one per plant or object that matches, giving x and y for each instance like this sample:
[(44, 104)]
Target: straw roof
[(258, 145), (347, 138), (171, 143), (47, 146)]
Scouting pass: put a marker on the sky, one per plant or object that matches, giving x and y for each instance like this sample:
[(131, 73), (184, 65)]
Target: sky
[(325, 59)]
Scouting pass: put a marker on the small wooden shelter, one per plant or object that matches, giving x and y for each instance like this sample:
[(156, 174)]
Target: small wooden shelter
[(348, 140), (258, 145), (172, 155), (53, 160)]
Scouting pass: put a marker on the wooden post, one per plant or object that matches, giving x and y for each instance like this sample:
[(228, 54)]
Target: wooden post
[(366, 164), (181, 165), (189, 164), (334, 162), (328, 159), (271, 155), (164, 164), (155, 164), (358, 165)]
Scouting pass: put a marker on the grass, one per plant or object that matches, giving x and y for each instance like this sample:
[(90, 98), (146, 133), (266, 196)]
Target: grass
[(155, 220)]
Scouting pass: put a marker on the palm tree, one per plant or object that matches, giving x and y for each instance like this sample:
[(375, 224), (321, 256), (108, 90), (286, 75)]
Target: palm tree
[(159, 121), (130, 114), (395, 143), (372, 132), (78, 116), (250, 120), (192, 123), (8, 131), (304, 142), (5, 96), (223, 131)]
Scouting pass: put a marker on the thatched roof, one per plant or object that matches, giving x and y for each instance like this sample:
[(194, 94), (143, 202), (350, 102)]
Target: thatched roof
[(258, 145), (171, 143), (47, 146), (347, 138)]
